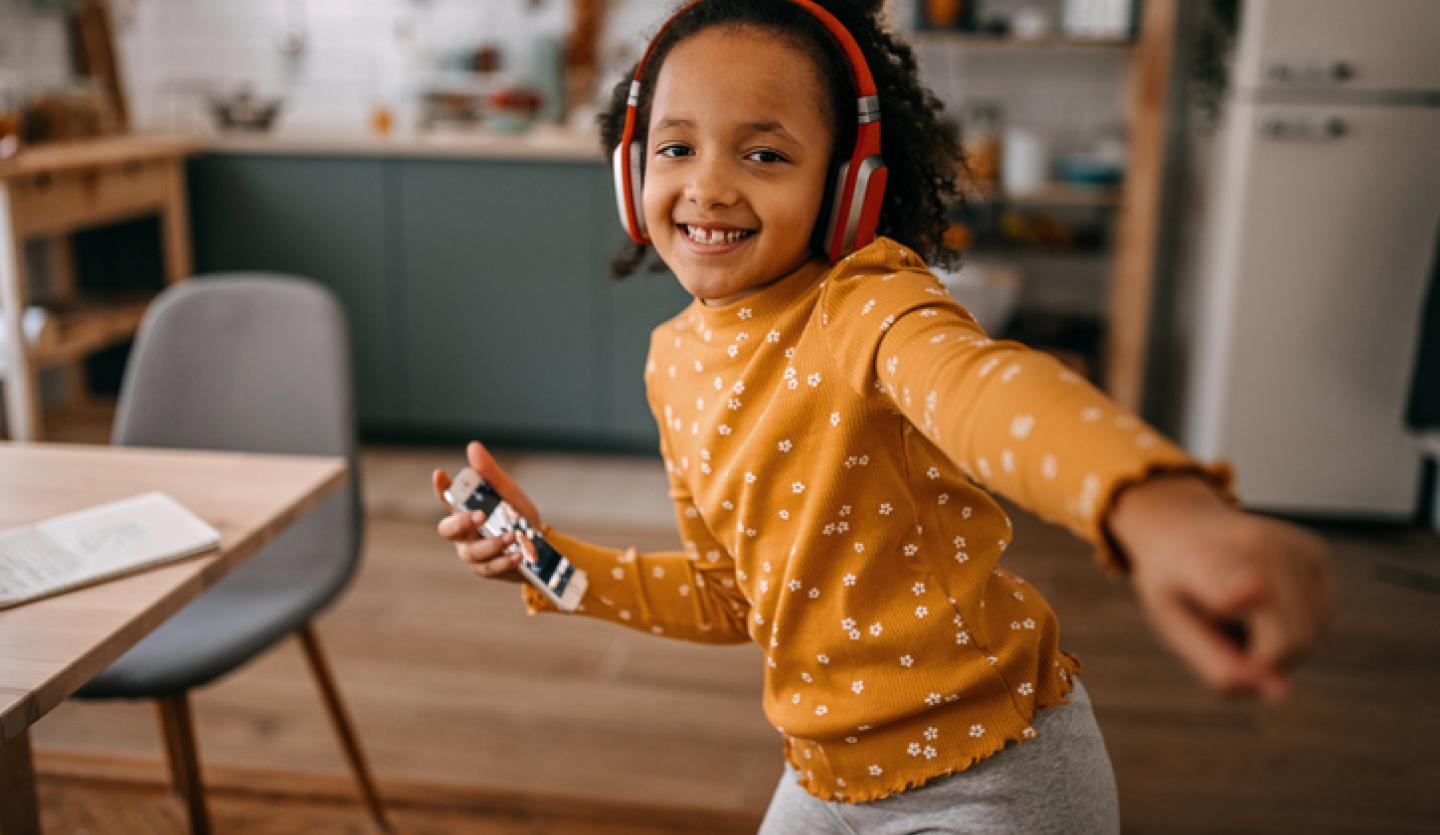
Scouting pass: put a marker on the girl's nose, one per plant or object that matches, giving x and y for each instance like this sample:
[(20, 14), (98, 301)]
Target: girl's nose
[(710, 184)]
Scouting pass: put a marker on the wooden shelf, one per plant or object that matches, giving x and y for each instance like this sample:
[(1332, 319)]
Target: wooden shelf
[(978, 42), (89, 327), (1020, 252), (1065, 194), (1060, 195), (49, 192), (86, 421), (84, 154)]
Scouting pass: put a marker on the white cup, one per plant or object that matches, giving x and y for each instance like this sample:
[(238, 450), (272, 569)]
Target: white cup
[(1024, 162), (1030, 24)]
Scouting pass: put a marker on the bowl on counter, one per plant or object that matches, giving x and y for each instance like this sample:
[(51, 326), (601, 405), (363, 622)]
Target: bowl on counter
[(512, 110), (990, 290), (244, 111), (1089, 169)]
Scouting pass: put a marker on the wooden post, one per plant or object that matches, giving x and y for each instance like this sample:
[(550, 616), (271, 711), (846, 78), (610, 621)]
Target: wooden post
[(61, 249), (22, 408), (1133, 279), (175, 220), (19, 811)]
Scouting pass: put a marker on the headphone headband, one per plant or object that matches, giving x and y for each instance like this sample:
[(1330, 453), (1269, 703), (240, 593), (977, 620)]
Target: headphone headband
[(859, 70), (860, 183)]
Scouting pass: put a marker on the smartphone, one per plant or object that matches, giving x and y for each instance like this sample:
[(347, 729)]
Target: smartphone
[(545, 568)]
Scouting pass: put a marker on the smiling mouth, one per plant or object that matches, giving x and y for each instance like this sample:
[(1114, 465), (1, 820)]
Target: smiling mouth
[(713, 237)]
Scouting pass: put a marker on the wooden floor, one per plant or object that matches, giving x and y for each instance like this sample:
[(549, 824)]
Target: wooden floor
[(107, 794), (455, 690)]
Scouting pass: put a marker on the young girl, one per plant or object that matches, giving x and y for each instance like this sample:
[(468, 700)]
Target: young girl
[(827, 426)]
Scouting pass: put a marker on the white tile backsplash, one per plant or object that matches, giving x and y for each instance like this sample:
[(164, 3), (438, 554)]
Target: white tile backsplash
[(171, 49), (33, 46), (1068, 97), (354, 55)]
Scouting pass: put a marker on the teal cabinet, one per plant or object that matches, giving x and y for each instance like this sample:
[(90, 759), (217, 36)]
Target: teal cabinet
[(478, 290), (321, 218), (634, 307), (630, 310), (499, 302)]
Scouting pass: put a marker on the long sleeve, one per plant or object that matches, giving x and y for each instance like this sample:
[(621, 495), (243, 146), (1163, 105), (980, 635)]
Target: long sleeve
[(1011, 418), (691, 594)]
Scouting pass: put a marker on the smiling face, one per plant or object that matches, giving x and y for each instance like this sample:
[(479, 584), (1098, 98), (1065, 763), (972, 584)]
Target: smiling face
[(738, 154)]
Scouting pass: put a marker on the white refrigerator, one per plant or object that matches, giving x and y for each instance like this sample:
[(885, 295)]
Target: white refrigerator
[(1318, 245)]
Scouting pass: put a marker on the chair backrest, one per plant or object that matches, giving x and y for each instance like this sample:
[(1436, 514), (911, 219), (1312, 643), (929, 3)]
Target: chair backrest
[(255, 363)]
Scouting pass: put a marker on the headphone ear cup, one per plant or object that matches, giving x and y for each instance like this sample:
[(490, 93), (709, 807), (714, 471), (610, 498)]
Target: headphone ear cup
[(622, 188), (872, 178), (637, 189), (857, 217), (625, 165)]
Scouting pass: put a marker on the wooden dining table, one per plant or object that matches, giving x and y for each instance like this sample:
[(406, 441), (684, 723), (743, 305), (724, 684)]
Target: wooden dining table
[(49, 648)]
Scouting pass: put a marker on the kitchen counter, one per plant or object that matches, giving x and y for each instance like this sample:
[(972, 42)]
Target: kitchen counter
[(545, 143), (554, 143)]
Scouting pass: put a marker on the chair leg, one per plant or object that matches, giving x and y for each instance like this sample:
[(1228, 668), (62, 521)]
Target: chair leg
[(343, 728), (184, 759)]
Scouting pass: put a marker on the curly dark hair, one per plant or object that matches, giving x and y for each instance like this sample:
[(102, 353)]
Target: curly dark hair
[(922, 154)]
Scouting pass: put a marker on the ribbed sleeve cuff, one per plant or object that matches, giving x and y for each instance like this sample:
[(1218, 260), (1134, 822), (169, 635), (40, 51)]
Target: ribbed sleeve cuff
[(1108, 552), (576, 551), (535, 600)]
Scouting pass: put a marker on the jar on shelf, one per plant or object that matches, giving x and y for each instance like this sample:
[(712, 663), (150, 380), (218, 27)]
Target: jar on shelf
[(11, 107), (980, 137), (946, 14)]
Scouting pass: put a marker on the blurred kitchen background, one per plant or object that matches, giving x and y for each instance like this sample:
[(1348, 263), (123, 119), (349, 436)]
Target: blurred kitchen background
[(409, 116), (1223, 212)]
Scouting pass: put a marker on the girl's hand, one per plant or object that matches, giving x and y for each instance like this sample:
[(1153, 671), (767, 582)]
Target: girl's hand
[(486, 557), (1240, 598)]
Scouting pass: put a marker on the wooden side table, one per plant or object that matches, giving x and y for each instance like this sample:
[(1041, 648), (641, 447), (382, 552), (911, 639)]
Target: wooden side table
[(49, 192)]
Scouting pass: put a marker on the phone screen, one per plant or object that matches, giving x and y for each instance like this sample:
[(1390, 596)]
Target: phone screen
[(500, 518)]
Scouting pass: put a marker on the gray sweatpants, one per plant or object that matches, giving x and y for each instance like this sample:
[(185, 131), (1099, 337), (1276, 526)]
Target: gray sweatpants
[(1060, 782)]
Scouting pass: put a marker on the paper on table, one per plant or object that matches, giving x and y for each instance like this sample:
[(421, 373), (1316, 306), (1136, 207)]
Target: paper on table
[(98, 543)]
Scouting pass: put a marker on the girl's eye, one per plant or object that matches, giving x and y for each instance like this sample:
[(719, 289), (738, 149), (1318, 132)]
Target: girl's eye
[(672, 151), (766, 155)]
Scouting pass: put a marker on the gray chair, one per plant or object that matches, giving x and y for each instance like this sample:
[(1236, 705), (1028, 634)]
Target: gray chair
[(252, 363)]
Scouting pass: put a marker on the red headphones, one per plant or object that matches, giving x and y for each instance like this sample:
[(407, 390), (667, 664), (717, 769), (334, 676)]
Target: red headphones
[(859, 183)]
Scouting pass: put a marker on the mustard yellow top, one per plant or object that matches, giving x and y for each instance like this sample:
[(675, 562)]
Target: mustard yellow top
[(826, 439)]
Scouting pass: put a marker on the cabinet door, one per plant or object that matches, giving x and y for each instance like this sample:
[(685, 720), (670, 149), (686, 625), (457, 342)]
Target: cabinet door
[(631, 310), (318, 218), (500, 268), (635, 306)]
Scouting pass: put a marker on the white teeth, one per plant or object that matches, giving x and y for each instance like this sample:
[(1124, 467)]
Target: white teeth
[(714, 236)]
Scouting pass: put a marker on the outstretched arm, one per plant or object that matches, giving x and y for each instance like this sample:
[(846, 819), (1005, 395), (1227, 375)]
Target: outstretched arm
[(1240, 598)]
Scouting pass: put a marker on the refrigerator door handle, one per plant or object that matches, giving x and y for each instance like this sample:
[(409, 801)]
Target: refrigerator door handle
[(1310, 72), (1312, 129)]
